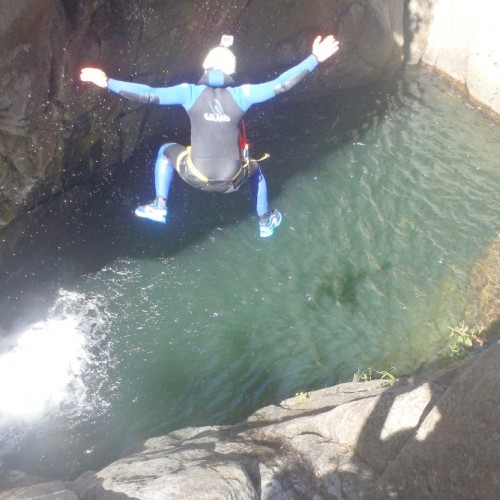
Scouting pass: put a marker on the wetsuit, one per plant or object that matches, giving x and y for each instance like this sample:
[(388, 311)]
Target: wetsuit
[(215, 107)]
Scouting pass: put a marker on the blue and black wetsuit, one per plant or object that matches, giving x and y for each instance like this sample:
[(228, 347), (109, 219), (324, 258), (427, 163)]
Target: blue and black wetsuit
[(215, 107)]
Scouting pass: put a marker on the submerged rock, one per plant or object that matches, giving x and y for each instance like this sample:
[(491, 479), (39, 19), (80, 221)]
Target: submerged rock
[(44, 491)]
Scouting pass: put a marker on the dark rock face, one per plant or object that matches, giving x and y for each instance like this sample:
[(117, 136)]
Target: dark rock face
[(56, 132)]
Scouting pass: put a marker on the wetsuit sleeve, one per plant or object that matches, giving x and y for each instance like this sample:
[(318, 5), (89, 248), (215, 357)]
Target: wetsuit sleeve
[(246, 95), (177, 94)]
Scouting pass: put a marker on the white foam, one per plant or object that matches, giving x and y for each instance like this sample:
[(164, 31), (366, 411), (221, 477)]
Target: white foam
[(40, 366), (46, 368)]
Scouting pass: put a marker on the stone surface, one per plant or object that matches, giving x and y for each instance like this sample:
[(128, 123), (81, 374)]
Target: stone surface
[(455, 452), (56, 132), (460, 39), (436, 436)]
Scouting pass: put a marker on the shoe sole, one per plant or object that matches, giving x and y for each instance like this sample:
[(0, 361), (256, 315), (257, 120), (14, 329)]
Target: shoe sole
[(162, 219)]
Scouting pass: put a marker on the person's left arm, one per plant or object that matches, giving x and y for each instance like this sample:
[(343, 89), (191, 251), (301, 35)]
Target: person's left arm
[(252, 94), (322, 49)]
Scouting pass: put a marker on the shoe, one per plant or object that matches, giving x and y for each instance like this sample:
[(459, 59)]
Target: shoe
[(267, 228), (152, 212)]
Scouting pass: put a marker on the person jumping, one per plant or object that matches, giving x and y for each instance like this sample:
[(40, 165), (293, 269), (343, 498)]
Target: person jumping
[(218, 158)]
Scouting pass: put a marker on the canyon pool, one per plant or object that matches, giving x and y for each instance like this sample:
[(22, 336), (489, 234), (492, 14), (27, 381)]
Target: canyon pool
[(116, 329)]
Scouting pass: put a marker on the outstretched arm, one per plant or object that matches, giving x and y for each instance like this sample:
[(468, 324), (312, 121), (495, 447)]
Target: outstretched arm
[(321, 50), (178, 94)]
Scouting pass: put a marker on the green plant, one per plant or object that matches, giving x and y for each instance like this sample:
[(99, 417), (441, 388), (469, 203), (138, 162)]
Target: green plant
[(373, 374), (463, 339), (302, 396)]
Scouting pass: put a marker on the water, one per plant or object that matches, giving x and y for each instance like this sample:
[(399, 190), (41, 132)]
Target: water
[(120, 329)]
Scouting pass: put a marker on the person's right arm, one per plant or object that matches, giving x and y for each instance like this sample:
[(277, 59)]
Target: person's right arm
[(178, 94)]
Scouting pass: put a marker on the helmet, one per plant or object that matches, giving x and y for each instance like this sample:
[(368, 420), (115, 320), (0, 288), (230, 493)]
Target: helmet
[(220, 58)]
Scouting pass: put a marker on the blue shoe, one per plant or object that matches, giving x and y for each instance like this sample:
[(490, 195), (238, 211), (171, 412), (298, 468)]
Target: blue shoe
[(152, 212), (268, 226)]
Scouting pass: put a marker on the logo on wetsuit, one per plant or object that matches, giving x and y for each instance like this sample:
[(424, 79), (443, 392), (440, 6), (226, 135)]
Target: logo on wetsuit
[(217, 114)]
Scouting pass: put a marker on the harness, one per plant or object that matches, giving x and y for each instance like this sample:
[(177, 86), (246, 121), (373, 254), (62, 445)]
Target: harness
[(247, 168), (245, 151), (186, 156), (245, 145)]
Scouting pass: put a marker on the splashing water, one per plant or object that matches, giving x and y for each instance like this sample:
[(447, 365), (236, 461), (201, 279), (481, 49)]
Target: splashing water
[(54, 368), (42, 368)]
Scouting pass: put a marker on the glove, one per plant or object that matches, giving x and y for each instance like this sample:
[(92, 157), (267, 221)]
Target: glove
[(323, 49), (95, 76)]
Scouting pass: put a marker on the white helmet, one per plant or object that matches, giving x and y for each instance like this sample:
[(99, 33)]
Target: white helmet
[(220, 58)]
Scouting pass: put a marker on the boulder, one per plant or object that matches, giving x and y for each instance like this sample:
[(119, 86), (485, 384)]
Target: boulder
[(455, 451)]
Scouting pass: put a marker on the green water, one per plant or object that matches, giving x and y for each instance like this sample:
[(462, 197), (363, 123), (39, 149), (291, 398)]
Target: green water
[(388, 197)]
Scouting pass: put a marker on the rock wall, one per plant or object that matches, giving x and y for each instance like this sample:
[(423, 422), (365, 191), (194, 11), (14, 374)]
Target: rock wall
[(430, 437), (461, 39), (56, 132)]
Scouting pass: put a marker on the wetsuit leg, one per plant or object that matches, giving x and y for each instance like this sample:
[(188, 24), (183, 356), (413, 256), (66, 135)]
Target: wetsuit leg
[(258, 187), (164, 171)]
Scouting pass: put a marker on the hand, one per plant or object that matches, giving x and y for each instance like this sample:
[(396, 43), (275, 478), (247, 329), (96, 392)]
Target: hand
[(323, 49), (95, 76)]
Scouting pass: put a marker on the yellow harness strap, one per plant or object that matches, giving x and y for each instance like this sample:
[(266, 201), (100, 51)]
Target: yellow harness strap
[(191, 167), (198, 174)]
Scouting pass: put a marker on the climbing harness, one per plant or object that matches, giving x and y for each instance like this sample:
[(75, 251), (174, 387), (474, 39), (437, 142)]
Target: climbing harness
[(248, 167)]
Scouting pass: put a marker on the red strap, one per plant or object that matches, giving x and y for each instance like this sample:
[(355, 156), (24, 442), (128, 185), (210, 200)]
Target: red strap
[(242, 138)]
